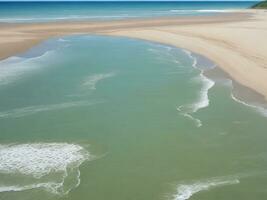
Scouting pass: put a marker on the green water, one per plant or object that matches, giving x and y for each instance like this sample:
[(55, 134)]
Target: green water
[(117, 99)]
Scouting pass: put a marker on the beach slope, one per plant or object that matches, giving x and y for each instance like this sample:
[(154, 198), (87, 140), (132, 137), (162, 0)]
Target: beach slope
[(236, 42)]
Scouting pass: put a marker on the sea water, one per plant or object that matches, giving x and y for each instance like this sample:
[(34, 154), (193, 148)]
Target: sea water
[(93, 117), (18, 12)]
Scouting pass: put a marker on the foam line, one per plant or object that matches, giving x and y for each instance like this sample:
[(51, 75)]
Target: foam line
[(198, 122), (165, 53), (259, 109), (30, 110), (50, 187), (185, 191), (203, 100), (91, 81)]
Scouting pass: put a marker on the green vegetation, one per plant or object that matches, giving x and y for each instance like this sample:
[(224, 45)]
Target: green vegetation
[(260, 5)]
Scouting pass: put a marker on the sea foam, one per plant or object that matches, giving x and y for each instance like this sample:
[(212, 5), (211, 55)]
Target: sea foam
[(261, 110), (203, 99), (91, 81), (30, 110), (39, 160), (185, 191)]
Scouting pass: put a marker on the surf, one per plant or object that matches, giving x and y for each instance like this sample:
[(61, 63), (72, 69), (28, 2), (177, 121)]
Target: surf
[(39, 161), (203, 99)]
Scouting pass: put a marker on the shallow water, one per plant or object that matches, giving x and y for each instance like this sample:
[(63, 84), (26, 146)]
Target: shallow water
[(92, 117)]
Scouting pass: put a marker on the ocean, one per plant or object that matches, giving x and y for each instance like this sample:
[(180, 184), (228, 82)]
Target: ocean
[(99, 117), (94, 117), (21, 12)]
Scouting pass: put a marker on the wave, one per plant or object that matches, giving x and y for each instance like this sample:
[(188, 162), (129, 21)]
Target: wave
[(13, 67), (203, 100), (38, 160), (185, 191), (91, 81), (20, 112), (260, 109)]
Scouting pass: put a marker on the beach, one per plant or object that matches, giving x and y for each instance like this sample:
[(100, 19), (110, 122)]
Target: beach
[(234, 41), (133, 100)]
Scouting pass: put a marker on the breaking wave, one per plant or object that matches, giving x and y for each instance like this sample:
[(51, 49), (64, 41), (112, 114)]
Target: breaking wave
[(47, 164), (203, 100)]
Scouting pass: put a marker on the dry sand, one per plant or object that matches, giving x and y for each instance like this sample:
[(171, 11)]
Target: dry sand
[(236, 42)]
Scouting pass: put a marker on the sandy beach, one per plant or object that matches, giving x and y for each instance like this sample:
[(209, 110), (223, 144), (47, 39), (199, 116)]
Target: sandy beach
[(236, 42)]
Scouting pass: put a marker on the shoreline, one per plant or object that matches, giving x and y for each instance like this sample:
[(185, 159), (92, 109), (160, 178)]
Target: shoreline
[(18, 37), (234, 42)]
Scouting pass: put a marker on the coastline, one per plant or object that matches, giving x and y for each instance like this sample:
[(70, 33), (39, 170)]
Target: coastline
[(235, 42)]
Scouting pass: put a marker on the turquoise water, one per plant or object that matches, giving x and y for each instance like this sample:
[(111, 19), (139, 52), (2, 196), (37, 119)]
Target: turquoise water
[(57, 11), (92, 117)]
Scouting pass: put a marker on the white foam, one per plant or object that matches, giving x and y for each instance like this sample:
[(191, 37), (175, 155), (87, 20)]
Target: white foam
[(30, 110), (203, 100), (38, 160), (185, 191), (91, 81), (13, 67), (194, 59), (62, 40), (198, 122), (259, 109), (50, 187)]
